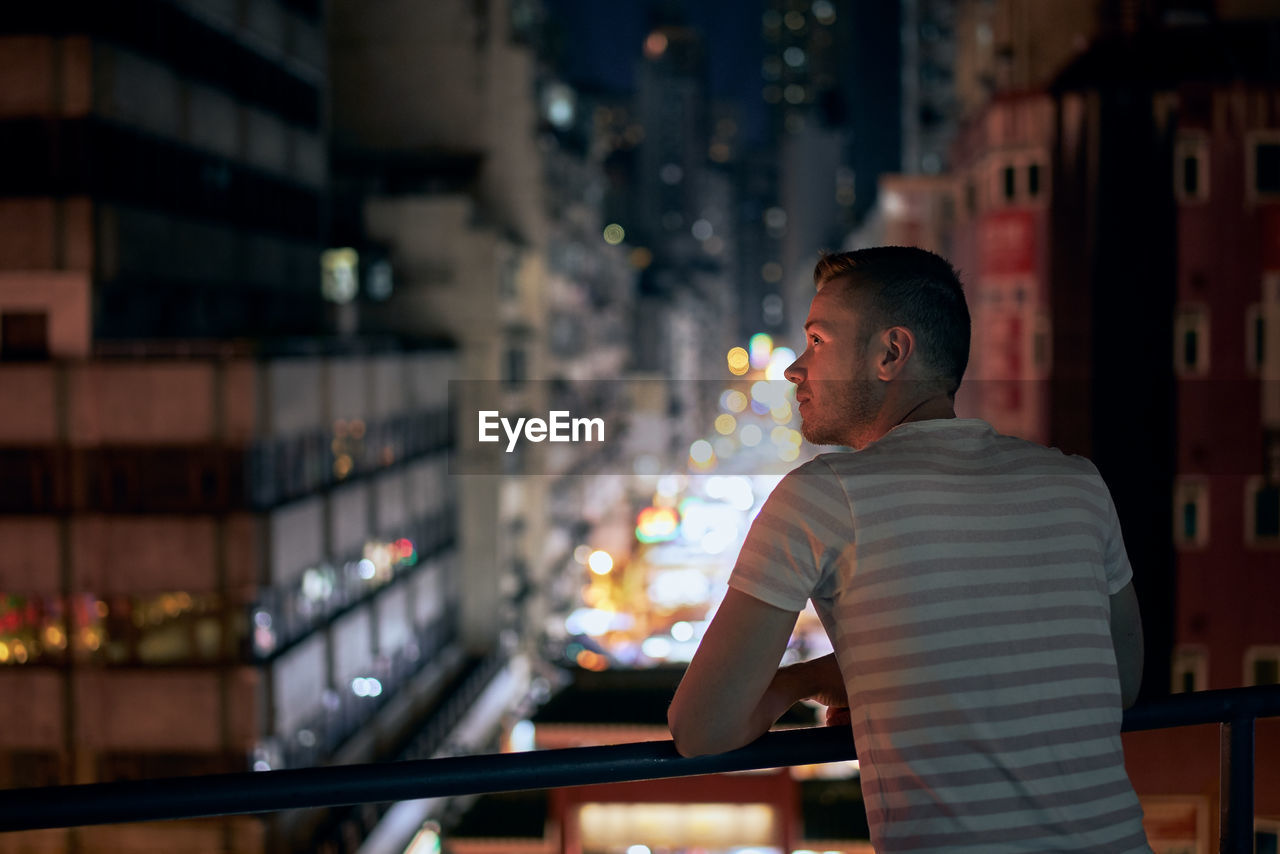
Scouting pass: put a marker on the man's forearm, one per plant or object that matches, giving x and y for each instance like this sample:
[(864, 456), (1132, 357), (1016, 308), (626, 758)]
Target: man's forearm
[(818, 679)]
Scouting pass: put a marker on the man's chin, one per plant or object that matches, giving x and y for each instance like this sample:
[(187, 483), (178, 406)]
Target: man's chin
[(816, 434)]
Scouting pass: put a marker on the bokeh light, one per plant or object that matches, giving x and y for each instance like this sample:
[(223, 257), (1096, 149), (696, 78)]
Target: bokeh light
[(600, 562), (761, 345), (733, 400)]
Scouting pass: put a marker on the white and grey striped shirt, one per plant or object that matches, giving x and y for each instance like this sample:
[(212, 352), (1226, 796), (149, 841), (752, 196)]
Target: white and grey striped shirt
[(963, 577)]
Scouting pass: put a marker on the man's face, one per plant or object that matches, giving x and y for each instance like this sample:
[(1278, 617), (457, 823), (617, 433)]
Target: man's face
[(836, 391)]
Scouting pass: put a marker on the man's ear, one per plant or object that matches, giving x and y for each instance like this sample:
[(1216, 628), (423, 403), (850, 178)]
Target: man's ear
[(897, 346)]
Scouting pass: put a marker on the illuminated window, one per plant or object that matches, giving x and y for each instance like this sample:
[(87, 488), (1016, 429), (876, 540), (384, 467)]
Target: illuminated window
[(1191, 513), (1191, 342), (1190, 669)]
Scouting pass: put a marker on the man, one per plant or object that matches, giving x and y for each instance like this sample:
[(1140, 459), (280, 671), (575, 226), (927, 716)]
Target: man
[(975, 588)]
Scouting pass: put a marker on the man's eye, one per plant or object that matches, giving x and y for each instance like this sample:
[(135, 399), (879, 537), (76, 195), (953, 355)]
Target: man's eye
[(814, 339)]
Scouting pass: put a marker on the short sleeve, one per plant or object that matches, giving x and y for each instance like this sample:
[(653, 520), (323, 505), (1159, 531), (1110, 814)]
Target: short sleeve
[(1115, 558), (794, 541)]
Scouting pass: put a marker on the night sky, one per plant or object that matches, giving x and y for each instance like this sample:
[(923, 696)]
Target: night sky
[(598, 44)]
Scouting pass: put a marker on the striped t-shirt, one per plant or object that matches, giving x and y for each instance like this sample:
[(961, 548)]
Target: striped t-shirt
[(963, 577)]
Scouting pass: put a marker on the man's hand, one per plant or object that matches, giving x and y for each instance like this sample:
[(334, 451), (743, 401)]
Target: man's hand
[(819, 680)]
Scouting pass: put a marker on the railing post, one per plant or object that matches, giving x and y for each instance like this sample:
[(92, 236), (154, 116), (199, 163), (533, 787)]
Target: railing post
[(1235, 801)]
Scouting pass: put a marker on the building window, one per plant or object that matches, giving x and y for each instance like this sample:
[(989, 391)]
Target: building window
[(1262, 509), (24, 335), (1266, 836), (1262, 665), (1191, 513), (1191, 342), (1266, 167), (1010, 184), (1262, 165), (514, 369), (1033, 180), (1190, 168), (1190, 669)]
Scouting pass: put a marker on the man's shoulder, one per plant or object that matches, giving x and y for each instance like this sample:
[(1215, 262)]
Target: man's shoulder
[(958, 447)]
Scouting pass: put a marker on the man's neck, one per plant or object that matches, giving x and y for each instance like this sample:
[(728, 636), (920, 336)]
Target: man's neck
[(938, 406)]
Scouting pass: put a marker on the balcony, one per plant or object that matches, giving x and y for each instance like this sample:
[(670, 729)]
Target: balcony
[(1234, 710)]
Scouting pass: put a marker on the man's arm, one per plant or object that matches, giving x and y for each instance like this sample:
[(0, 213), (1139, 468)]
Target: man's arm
[(1126, 637), (730, 695)]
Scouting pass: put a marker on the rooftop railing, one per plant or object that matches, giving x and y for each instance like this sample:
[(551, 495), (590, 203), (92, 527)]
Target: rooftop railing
[(1236, 710)]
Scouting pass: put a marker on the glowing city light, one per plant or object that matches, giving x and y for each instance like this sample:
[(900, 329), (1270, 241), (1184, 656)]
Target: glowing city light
[(523, 736), (761, 348), (657, 524), (655, 45), (739, 361), (614, 234), (779, 360), (600, 562), (733, 400), (366, 686), (725, 424), (701, 452)]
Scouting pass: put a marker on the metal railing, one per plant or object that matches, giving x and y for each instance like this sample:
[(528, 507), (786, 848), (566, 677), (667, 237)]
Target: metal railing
[(1235, 710)]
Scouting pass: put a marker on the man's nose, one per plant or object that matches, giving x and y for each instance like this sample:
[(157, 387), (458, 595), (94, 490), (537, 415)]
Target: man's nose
[(794, 371)]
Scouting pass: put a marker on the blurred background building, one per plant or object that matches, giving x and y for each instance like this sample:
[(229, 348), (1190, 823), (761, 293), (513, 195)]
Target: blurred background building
[(258, 256)]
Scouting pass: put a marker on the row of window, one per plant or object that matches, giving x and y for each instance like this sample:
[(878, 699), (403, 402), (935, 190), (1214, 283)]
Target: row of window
[(212, 478), (342, 713), (1020, 178), (1191, 167), (284, 614), (1191, 512), (1191, 340), (345, 709), (1191, 667), (204, 628)]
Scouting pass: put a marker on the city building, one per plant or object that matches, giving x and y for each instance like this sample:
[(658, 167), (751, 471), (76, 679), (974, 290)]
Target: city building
[(1124, 199), (229, 537)]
